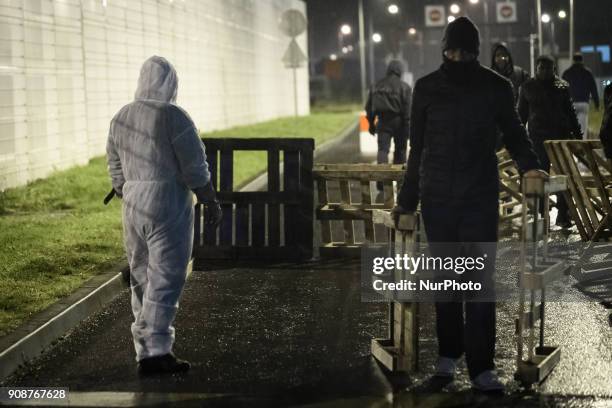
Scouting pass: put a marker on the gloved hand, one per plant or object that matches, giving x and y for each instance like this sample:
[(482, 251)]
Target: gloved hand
[(396, 212), (212, 210), (212, 213), (372, 129)]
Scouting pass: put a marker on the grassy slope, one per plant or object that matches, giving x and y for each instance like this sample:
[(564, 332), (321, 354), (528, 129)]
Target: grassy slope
[(56, 233)]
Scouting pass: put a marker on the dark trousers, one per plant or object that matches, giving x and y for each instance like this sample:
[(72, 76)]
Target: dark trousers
[(562, 207), (384, 144), (473, 334)]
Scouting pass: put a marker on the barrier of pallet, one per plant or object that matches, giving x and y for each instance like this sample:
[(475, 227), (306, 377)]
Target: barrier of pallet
[(347, 194), (399, 351), (538, 269), (510, 195), (589, 177), (276, 224)]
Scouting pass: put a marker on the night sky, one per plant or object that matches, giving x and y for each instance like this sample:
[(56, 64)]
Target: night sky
[(593, 24)]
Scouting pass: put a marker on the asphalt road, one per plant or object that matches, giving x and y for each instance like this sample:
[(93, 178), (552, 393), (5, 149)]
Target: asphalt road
[(299, 335)]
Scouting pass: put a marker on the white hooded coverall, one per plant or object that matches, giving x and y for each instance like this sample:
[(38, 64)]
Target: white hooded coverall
[(155, 159)]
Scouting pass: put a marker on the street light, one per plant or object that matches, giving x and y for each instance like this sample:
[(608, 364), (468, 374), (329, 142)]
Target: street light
[(450, 19), (345, 50), (455, 9), (376, 37), (345, 29), (485, 20), (393, 9), (546, 18), (562, 14), (412, 31), (333, 57)]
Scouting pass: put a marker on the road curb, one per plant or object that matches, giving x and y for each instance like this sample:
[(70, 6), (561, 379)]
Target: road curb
[(32, 338), (53, 322)]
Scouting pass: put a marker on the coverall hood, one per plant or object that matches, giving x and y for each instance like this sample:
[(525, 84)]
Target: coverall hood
[(509, 68), (157, 81), (395, 67)]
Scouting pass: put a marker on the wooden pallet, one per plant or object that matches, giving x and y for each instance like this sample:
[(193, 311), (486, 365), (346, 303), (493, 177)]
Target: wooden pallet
[(589, 175), (510, 195), (399, 351), (276, 224), (349, 179), (538, 269)]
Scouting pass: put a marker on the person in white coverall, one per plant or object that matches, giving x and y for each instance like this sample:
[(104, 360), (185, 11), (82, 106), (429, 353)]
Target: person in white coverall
[(156, 160)]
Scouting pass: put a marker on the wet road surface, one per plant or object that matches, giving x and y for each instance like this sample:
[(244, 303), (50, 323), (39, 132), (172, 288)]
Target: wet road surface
[(299, 335)]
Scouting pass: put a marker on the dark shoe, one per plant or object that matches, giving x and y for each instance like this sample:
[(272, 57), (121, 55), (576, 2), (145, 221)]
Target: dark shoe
[(488, 382), (165, 364), (563, 223), (446, 367)]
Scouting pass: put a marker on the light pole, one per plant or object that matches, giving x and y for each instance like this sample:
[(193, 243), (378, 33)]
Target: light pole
[(362, 59), (571, 29), (547, 19), (539, 16), (485, 11), (345, 29)]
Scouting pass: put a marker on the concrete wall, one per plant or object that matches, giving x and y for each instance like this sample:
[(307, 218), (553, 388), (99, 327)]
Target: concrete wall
[(66, 66)]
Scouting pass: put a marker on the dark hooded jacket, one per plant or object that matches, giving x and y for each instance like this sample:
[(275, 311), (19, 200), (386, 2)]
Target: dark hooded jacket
[(546, 106), (455, 114), (605, 134), (582, 83), (514, 73), (389, 100)]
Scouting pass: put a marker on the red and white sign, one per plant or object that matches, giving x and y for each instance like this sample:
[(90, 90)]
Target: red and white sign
[(506, 12), (435, 16)]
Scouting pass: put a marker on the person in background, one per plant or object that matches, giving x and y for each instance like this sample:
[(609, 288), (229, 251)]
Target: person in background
[(452, 171), (605, 133), (583, 88), (388, 113), (545, 105), (503, 64)]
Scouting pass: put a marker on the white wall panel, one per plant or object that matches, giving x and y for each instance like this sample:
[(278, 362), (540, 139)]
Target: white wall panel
[(66, 67)]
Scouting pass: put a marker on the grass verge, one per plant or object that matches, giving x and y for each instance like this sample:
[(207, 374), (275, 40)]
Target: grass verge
[(55, 233)]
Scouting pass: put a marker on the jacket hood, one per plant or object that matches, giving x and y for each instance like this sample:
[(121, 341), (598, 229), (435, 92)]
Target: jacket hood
[(157, 81), (509, 69), (395, 67)]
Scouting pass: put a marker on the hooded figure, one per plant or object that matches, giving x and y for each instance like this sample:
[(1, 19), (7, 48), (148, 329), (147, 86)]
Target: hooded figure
[(502, 63), (583, 88), (605, 132), (156, 160), (389, 104), (545, 106), (452, 171)]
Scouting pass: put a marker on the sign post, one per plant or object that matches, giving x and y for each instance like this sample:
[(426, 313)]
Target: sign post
[(292, 24)]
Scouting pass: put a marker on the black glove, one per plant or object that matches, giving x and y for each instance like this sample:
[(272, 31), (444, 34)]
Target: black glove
[(212, 210), (212, 213), (372, 129)]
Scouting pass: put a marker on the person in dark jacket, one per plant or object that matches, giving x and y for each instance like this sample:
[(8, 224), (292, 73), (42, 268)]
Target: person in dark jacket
[(582, 88), (503, 64), (388, 112), (605, 133), (545, 105), (452, 170)]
